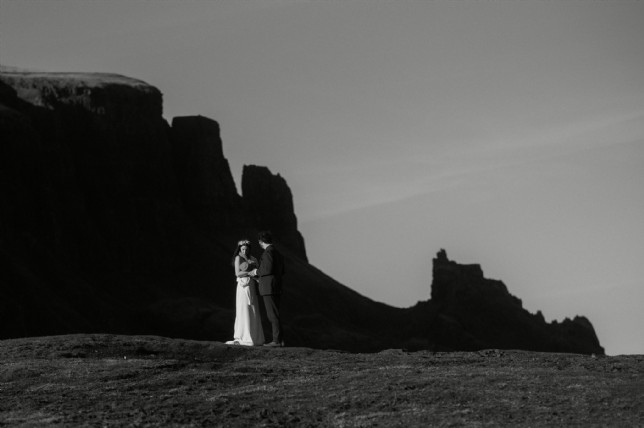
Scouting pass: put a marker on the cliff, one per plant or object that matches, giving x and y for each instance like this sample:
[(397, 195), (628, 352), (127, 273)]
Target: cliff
[(472, 312), (206, 184), (112, 219), (270, 203), (115, 221)]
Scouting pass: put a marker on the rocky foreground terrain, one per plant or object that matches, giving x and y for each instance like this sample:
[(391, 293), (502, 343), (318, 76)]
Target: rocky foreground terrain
[(111, 380)]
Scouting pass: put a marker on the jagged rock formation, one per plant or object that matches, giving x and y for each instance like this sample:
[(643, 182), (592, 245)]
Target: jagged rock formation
[(92, 175), (472, 312), (206, 184), (115, 221), (112, 220), (270, 203)]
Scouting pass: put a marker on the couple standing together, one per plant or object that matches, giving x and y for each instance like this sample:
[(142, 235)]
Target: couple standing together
[(257, 284)]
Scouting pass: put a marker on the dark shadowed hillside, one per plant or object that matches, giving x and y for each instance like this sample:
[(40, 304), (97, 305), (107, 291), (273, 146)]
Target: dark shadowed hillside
[(115, 221)]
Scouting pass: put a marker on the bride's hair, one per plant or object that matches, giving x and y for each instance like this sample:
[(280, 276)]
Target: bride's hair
[(242, 243)]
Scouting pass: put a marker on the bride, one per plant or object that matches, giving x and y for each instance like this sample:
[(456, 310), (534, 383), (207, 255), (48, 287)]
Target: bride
[(248, 324)]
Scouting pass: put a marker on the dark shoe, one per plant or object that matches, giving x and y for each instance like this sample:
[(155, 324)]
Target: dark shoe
[(274, 344)]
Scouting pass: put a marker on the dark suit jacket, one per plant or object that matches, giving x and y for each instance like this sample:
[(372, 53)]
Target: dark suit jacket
[(270, 271)]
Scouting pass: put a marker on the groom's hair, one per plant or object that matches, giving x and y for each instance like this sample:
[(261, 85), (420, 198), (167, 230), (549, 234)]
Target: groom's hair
[(265, 236)]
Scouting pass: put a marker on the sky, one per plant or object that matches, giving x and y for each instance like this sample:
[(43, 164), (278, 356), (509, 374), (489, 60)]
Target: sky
[(509, 133)]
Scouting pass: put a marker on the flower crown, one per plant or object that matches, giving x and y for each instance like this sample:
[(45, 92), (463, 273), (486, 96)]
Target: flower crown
[(243, 242)]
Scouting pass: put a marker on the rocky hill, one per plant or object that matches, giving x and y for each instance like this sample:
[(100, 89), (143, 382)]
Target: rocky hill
[(115, 221)]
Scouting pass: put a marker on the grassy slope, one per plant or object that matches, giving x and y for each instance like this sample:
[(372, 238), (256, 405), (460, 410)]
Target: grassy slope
[(118, 380)]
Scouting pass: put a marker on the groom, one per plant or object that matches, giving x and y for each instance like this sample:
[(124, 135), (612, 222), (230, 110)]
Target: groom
[(269, 273)]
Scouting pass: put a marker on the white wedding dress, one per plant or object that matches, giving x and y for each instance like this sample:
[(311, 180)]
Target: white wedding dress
[(248, 323)]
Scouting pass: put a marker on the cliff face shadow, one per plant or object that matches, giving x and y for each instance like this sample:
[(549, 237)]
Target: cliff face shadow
[(115, 221)]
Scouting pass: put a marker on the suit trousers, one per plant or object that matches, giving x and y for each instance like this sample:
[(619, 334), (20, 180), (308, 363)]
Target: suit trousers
[(272, 304)]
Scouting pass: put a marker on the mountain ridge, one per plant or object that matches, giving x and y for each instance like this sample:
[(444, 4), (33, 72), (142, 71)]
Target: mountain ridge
[(117, 221)]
